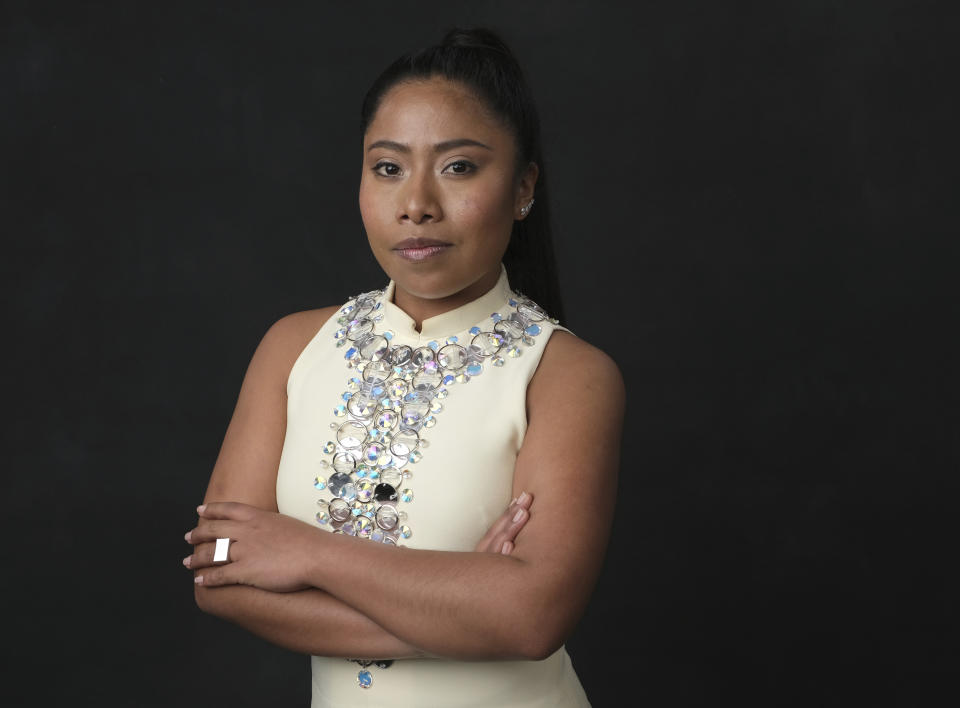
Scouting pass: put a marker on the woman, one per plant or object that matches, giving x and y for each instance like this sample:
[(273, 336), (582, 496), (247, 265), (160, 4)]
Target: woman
[(411, 416)]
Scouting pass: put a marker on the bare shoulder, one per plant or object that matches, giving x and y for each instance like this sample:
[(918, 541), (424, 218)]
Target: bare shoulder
[(287, 337), (596, 373), (294, 331)]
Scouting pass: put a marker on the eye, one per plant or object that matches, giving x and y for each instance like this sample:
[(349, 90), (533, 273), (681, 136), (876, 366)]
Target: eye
[(386, 169), (460, 167)]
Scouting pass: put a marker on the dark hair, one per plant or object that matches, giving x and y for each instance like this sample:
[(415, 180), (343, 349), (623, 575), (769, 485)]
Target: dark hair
[(480, 60)]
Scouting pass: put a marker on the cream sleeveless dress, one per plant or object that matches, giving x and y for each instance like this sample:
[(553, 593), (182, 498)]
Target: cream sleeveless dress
[(460, 484)]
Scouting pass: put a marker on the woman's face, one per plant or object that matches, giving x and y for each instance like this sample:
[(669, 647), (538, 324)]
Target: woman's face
[(440, 191)]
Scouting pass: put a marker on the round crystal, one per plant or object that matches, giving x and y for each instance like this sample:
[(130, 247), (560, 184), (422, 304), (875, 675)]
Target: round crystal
[(365, 491), (423, 356), (426, 380), (452, 357), (412, 413), (339, 510), (510, 330), (387, 517), (373, 452), (387, 419), (385, 492), (363, 526), (404, 442), (363, 306), (376, 372), (351, 434), (373, 348), (341, 486), (397, 388), (344, 462), (487, 343), (359, 328)]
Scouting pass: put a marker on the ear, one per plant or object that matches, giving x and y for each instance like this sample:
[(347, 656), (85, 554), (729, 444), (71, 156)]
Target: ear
[(525, 189)]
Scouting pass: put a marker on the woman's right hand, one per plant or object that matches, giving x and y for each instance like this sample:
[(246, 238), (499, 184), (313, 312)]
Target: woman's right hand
[(503, 532)]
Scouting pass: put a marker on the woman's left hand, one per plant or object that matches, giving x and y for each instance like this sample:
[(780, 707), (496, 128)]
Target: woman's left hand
[(267, 550)]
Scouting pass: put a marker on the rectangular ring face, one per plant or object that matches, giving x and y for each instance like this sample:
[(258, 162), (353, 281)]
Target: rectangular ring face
[(220, 552)]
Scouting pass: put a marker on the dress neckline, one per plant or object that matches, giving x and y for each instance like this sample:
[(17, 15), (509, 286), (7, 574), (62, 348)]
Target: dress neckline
[(447, 323)]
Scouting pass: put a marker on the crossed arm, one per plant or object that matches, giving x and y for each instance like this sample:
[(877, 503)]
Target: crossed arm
[(298, 586)]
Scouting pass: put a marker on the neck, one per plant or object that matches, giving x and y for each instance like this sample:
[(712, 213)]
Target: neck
[(420, 308)]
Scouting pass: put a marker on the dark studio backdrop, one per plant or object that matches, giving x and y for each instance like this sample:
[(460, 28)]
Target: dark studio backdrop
[(754, 211)]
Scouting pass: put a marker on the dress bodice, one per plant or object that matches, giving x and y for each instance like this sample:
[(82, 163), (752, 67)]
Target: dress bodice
[(410, 438)]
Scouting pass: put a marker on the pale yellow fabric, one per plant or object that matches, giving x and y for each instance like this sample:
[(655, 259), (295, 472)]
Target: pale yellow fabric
[(462, 484)]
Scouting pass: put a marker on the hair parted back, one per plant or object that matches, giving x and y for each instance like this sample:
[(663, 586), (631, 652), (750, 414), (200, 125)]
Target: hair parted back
[(480, 60)]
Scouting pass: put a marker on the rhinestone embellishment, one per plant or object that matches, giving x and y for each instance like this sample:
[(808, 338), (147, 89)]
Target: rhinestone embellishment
[(394, 394)]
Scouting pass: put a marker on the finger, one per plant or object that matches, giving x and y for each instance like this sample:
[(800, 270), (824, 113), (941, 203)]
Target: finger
[(197, 531), (211, 531), (505, 528), (512, 530), (203, 556), (508, 534), (226, 510), (217, 576)]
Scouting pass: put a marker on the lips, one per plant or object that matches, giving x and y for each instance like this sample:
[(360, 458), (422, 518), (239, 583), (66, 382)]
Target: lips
[(419, 249), (419, 243)]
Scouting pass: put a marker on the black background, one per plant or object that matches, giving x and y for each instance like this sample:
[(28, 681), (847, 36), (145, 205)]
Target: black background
[(755, 211)]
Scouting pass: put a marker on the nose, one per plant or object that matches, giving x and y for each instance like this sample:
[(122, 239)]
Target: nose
[(419, 202)]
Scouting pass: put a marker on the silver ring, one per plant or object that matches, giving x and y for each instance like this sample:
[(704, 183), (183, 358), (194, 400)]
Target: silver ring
[(222, 550)]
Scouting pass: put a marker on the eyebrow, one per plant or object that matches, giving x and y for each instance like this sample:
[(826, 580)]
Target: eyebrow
[(439, 147)]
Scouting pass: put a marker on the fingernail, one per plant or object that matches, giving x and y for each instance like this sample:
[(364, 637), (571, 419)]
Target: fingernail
[(198, 580), (512, 502), (201, 508), (186, 561), (505, 548), (186, 536), (523, 497), (519, 515)]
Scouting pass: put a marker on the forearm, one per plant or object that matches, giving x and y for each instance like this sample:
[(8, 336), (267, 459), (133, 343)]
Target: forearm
[(309, 621), (459, 605)]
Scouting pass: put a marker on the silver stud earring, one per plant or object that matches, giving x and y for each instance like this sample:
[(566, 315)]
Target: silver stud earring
[(524, 210)]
